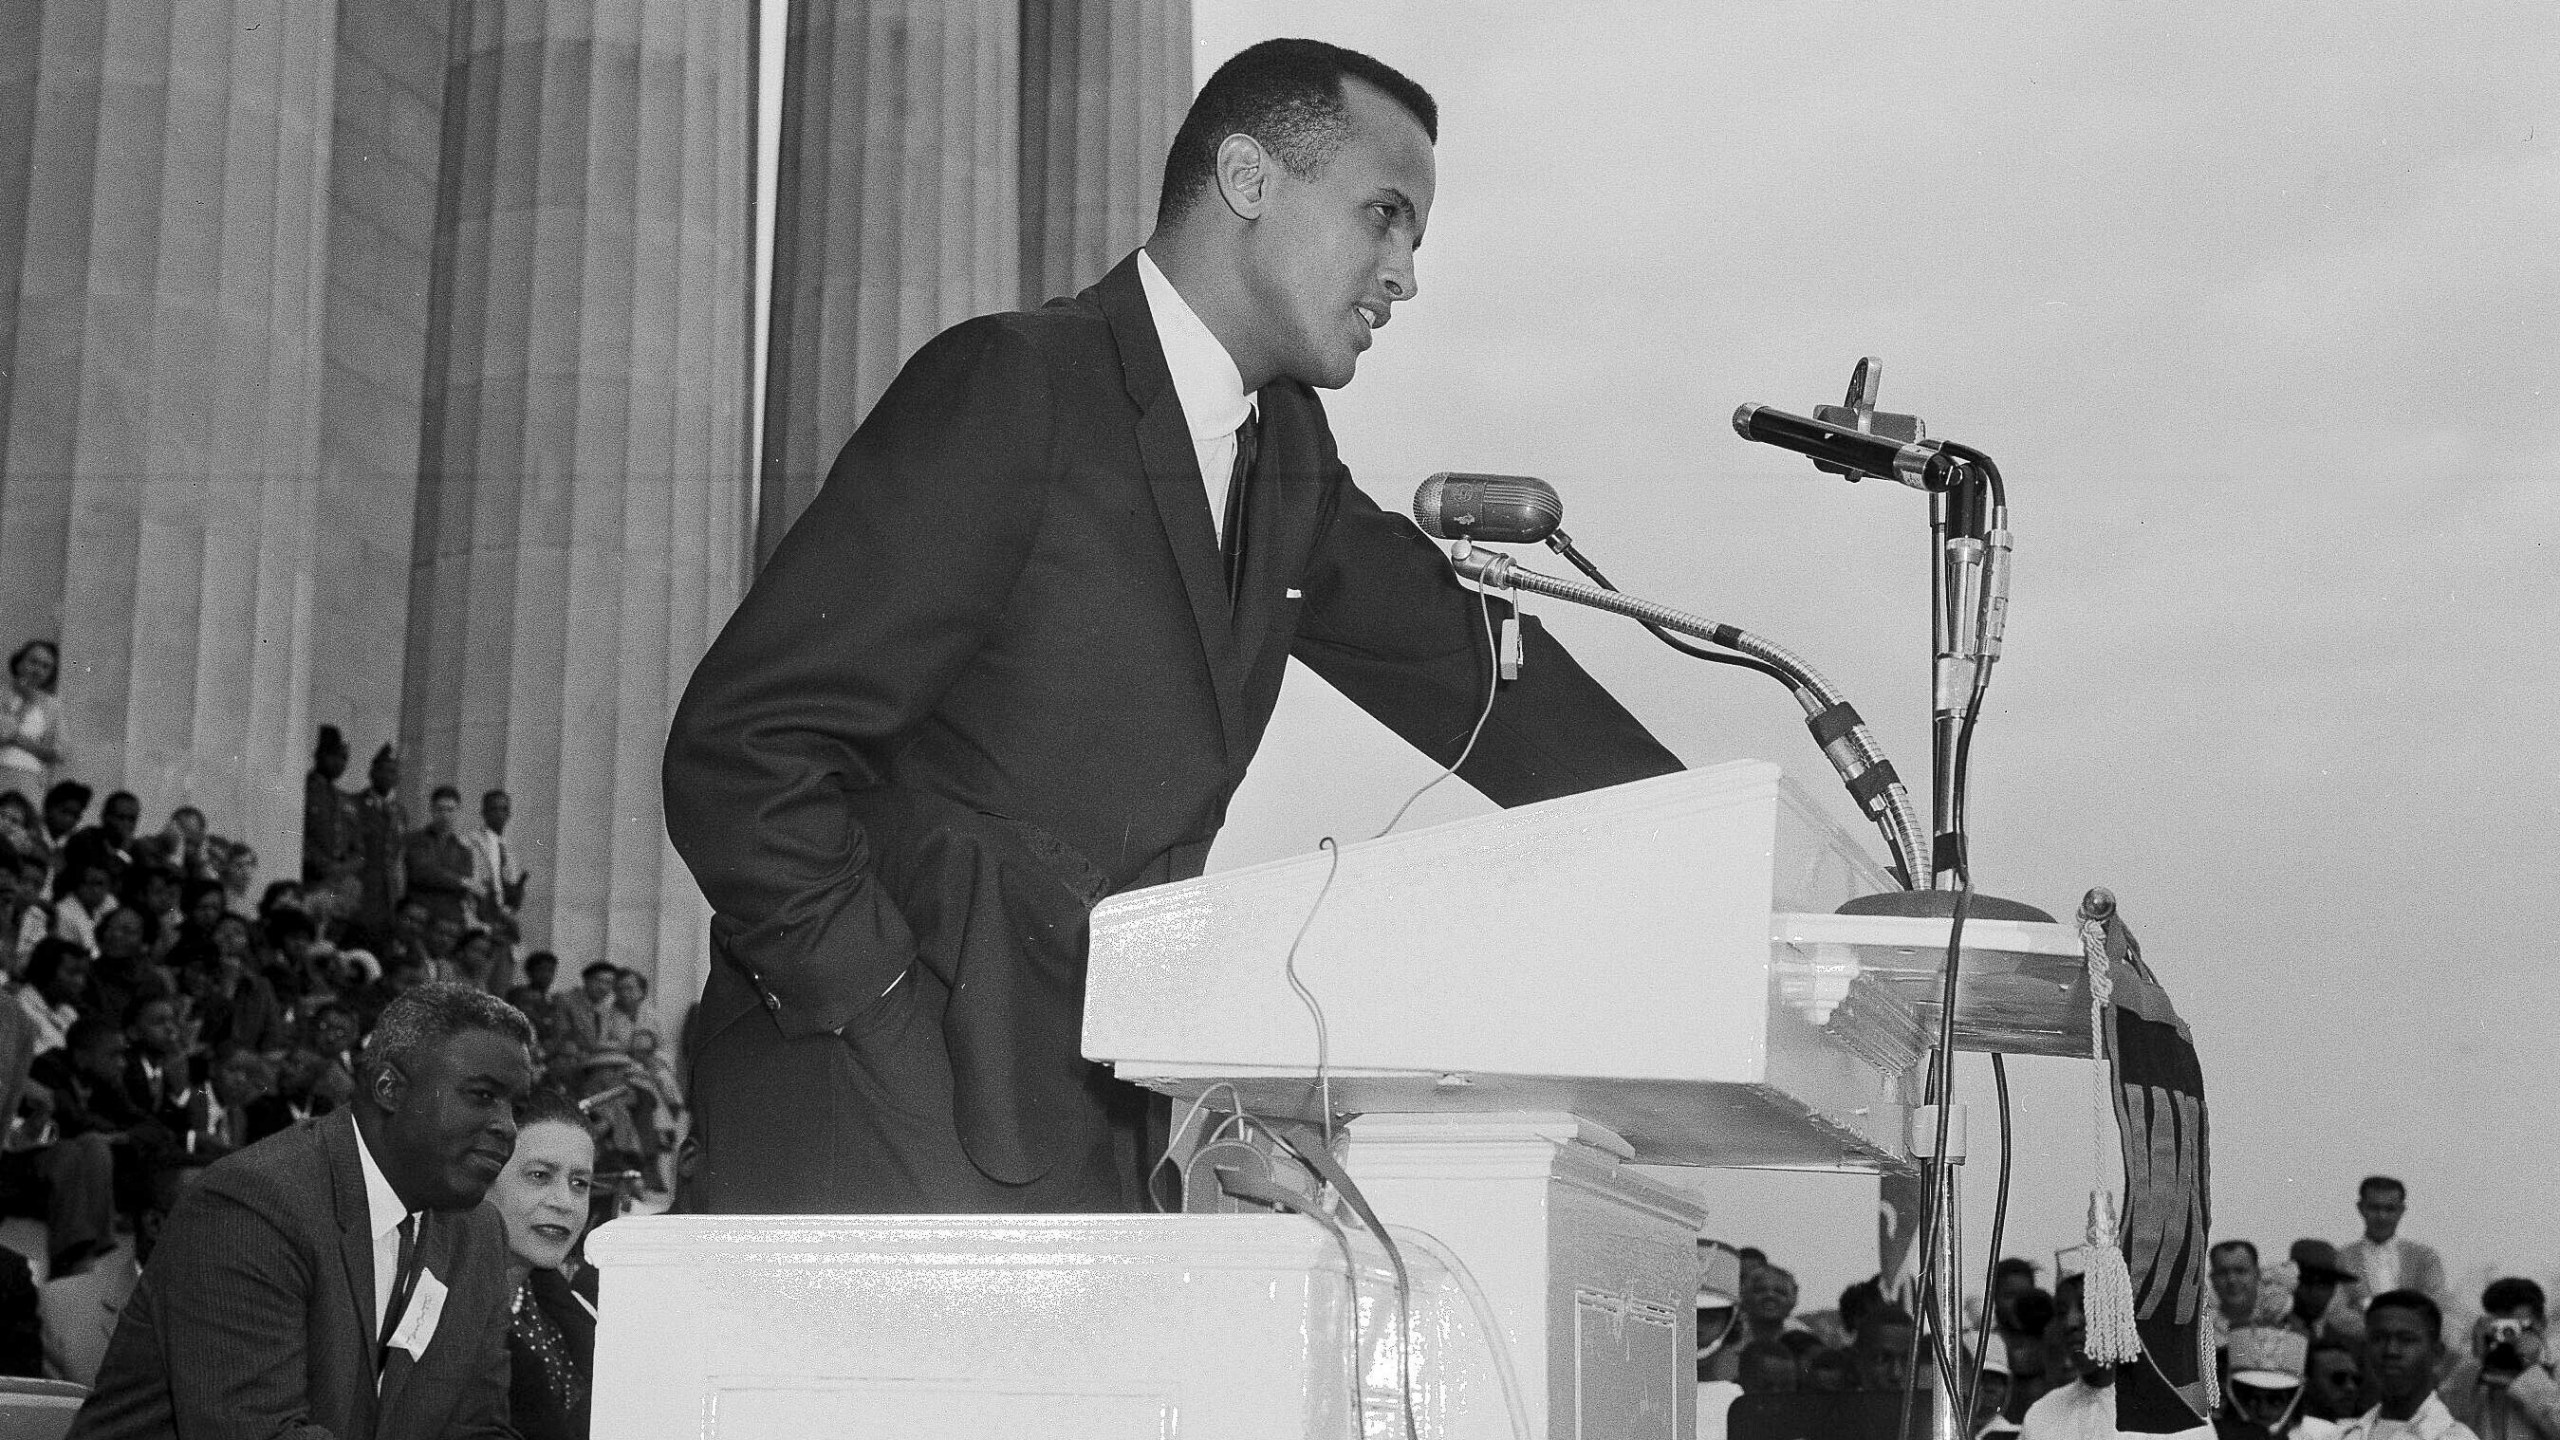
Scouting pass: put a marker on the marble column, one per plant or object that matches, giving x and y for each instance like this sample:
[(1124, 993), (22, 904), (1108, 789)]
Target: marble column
[(162, 392), (583, 478), (385, 149), (896, 214), (1104, 86)]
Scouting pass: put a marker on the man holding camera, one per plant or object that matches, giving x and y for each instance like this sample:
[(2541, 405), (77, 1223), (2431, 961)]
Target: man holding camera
[(2507, 1388)]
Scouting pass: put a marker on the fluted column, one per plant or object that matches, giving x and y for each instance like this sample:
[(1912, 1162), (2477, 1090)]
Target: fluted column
[(384, 151), (161, 439), (1104, 87), (897, 206), (583, 482)]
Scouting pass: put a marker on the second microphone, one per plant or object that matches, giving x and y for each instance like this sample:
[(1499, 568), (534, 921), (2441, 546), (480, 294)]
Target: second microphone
[(1495, 509)]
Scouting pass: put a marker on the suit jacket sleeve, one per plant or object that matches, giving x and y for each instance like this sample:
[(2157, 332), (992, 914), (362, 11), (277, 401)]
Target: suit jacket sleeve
[(1392, 629), (235, 1349), (867, 611)]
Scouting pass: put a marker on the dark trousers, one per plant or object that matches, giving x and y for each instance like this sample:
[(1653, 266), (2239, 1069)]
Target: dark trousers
[(865, 1126)]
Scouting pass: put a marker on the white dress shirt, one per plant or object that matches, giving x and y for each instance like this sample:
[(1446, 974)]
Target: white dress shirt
[(493, 868), (384, 1208), (1205, 380)]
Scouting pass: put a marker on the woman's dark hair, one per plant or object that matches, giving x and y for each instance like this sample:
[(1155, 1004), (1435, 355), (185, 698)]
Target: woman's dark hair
[(32, 647), (2035, 1311), (44, 965), (549, 1102)]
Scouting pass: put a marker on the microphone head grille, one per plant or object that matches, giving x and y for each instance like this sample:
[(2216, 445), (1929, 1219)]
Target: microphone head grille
[(1426, 505)]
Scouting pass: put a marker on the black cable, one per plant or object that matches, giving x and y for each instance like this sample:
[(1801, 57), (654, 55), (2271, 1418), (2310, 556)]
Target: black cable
[(1562, 544), (1959, 774), (1982, 462), (1999, 1222)]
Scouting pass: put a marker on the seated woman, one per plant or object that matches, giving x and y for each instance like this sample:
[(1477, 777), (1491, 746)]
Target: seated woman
[(543, 1195)]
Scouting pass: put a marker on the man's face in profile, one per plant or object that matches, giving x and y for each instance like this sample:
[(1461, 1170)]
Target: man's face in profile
[(454, 1126), (1332, 252)]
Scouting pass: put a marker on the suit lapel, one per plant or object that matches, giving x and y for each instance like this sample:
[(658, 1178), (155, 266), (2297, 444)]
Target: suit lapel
[(1173, 475), (355, 1228)]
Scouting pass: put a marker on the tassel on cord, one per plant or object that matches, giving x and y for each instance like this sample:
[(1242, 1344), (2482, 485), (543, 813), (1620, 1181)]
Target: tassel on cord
[(2108, 1294)]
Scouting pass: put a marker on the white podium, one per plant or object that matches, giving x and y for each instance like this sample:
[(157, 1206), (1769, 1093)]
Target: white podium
[(1524, 1011)]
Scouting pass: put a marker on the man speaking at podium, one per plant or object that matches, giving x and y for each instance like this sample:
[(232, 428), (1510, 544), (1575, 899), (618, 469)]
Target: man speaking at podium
[(1018, 652)]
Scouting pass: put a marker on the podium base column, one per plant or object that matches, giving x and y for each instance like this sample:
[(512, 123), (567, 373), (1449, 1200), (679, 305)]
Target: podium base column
[(1589, 1269)]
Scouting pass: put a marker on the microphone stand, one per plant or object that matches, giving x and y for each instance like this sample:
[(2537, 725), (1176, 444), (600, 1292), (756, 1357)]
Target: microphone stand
[(1836, 726)]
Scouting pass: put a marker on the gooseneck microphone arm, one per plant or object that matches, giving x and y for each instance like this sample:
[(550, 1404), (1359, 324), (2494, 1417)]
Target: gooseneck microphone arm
[(1562, 544), (1837, 728)]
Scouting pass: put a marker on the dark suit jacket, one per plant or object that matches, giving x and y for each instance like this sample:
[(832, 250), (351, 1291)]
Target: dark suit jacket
[(255, 1316), (997, 653)]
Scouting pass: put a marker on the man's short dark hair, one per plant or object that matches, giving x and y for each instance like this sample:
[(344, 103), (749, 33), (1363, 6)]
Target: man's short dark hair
[(444, 792), (134, 1007), (2372, 1183), (2417, 1301), (123, 797), (2250, 1246), (429, 1015), (1286, 94), (1765, 1352), (593, 966), (2013, 1265), (284, 925), (67, 792), (1857, 1299), (498, 794), (1874, 1323), (2508, 1293)]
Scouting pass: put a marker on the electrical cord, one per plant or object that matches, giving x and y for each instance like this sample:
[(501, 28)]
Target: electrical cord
[(1999, 1222), (1492, 688), (1563, 545)]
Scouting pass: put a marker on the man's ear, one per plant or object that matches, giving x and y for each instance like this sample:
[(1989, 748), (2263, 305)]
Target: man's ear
[(1244, 176), (388, 1087)]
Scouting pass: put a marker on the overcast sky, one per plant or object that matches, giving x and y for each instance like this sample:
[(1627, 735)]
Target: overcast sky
[(2258, 308)]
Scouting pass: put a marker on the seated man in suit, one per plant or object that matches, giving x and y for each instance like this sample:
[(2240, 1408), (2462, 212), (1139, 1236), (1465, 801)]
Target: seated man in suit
[(1012, 660), (342, 1278)]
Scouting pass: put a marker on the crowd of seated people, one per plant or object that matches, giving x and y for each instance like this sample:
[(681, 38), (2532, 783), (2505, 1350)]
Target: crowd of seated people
[(164, 1011), (2361, 1339)]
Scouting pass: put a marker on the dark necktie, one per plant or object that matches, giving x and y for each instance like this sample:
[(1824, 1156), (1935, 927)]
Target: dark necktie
[(1231, 534), (401, 1288)]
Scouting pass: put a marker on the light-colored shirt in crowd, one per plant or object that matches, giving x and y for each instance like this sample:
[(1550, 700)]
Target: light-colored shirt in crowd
[(2082, 1411), (2432, 1422)]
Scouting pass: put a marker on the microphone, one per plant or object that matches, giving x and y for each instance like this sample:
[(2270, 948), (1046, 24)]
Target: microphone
[(1920, 464), (1498, 509)]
